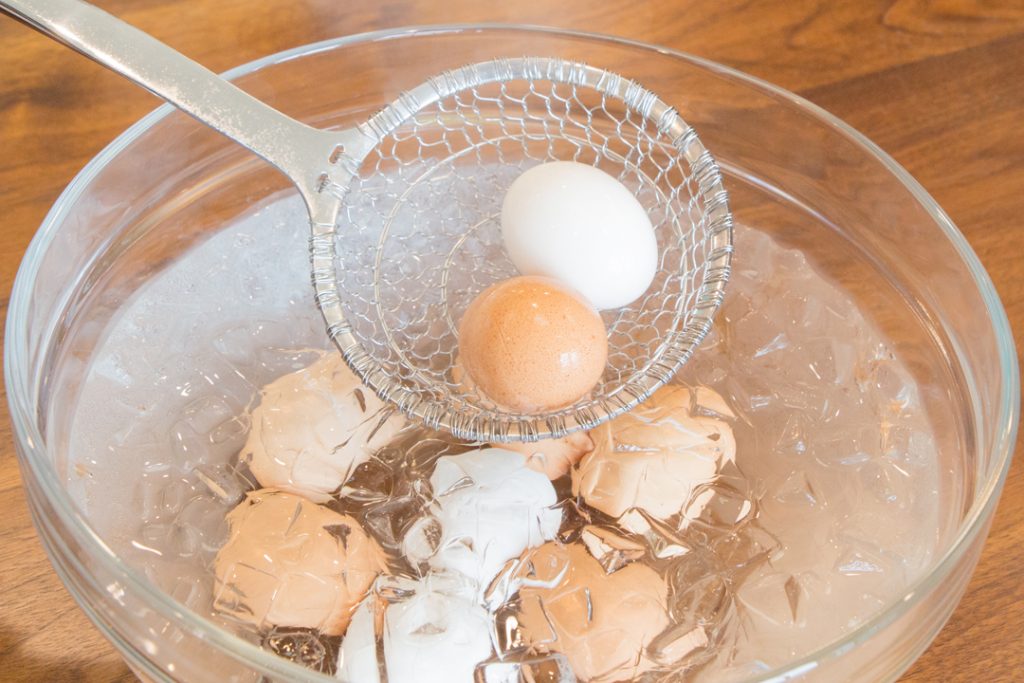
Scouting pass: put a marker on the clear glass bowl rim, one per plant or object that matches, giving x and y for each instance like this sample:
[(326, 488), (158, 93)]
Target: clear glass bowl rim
[(36, 464)]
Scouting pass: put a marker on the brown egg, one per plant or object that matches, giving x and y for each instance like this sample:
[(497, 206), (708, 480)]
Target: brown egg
[(553, 457), (531, 344), (601, 622), (291, 562), (658, 457)]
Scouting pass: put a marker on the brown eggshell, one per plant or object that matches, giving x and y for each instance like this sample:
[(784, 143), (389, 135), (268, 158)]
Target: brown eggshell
[(532, 345), (553, 457), (291, 562), (601, 622)]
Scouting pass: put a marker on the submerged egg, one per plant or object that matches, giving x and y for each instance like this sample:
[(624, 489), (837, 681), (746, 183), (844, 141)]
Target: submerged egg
[(658, 457), (579, 225), (601, 622), (290, 562), (532, 345), (313, 427), (432, 634), (491, 507), (554, 457)]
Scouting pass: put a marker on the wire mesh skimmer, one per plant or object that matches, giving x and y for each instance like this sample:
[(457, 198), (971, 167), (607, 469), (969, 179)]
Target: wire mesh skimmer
[(404, 211)]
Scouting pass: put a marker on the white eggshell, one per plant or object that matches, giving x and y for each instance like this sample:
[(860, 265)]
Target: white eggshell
[(491, 507), (432, 636), (357, 658), (579, 225)]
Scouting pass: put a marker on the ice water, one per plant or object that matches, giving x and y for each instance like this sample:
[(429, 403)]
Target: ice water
[(831, 510)]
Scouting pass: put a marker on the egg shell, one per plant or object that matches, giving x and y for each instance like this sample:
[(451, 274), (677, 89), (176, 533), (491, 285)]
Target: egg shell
[(291, 562), (655, 456), (601, 622), (554, 457), (532, 345), (434, 636), (313, 427), (577, 224), (491, 508)]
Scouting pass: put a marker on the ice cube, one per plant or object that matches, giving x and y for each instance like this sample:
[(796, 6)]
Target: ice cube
[(164, 495), (371, 482), (736, 307), (761, 336), (302, 646), (745, 549), (574, 518), (679, 646), (190, 585), (790, 263), (887, 483), (846, 445), (709, 403), (203, 520), (796, 489), (420, 456), (610, 548), (266, 344), (718, 506), (749, 393), (663, 541), (228, 483), (700, 597), (889, 385), (526, 668), (422, 540), (389, 521), (793, 439), (391, 588), (503, 586), (773, 599), (830, 361), (858, 559)]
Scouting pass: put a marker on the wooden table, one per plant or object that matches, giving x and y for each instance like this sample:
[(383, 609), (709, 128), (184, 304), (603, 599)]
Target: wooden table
[(952, 72)]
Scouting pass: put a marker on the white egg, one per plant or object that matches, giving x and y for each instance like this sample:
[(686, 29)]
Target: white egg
[(577, 224), (435, 635), (491, 507)]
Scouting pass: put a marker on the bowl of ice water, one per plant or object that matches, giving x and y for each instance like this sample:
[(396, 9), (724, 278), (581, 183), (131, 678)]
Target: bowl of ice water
[(805, 501)]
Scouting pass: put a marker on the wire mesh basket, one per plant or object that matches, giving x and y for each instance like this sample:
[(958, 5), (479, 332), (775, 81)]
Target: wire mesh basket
[(418, 235)]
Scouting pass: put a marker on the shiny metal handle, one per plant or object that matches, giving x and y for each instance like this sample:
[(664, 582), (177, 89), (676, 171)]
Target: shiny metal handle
[(296, 149)]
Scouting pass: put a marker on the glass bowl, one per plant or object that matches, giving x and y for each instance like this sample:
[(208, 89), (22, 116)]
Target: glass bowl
[(167, 185)]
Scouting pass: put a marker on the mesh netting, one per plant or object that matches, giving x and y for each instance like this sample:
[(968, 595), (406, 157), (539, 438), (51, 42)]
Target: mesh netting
[(418, 235)]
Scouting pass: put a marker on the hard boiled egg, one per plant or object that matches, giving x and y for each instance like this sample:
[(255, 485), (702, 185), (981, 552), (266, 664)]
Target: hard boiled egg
[(491, 507), (577, 224), (432, 635), (530, 344), (658, 457), (313, 427), (601, 622), (291, 562)]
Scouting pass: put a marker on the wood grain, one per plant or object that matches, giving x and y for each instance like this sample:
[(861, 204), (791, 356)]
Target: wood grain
[(939, 84)]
